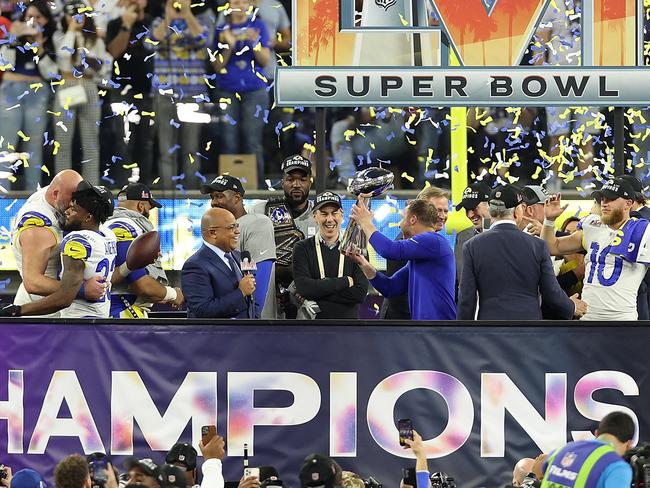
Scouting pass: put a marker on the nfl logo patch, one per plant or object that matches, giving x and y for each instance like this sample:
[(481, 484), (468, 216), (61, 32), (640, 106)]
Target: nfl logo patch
[(386, 4), (315, 477), (568, 459)]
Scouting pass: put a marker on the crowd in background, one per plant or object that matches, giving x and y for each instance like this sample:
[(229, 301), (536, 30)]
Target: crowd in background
[(155, 91)]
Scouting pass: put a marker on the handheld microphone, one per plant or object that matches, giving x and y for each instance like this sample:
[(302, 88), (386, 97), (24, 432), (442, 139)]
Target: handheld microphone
[(248, 266)]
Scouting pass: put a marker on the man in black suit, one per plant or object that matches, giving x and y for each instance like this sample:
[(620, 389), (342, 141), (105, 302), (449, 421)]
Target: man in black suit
[(212, 281), (509, 269)]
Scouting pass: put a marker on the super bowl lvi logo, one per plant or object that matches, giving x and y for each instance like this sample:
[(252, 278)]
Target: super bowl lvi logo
[(385, 4)]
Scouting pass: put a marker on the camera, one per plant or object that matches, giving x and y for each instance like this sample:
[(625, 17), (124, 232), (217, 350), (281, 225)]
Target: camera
[(3, 472), (442, 480), (639, 459), (371, 482), (97, 465)]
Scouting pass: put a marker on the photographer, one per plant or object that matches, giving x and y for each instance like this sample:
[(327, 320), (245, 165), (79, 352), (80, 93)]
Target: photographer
[(596, 463)]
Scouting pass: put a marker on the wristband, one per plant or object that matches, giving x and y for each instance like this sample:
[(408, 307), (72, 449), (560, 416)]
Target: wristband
[(549, 222), (81, 293), (170, 295), (124, 270)]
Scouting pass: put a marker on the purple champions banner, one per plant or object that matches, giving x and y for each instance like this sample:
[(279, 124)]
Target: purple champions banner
[(481, 396)]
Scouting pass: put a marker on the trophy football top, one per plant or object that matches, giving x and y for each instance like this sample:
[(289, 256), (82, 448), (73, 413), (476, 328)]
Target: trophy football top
[(374, 181)]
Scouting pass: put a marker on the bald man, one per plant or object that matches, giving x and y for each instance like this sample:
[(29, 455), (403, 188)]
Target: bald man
[(211, 279), (522, 468), (35, 240)]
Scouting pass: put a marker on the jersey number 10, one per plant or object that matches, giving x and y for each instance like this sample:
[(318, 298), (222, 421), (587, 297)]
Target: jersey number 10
[(598, 261)]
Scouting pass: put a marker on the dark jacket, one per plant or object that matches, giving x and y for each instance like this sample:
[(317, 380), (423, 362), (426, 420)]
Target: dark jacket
[(335, 298), (211, 288), (509, 270)]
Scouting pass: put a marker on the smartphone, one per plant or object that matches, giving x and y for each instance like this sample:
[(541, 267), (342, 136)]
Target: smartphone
[(255, 472), (408, 476), (98, 469), (405, 427), (486, 223), (207, 433)]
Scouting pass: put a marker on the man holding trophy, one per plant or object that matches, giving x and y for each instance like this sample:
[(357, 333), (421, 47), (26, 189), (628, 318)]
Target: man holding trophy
[(429, 275)]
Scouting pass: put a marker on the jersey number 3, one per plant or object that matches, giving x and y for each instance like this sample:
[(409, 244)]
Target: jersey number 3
[(598, 266)]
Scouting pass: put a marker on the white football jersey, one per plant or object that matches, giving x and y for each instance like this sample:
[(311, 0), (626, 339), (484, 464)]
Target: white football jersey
[(98, 251), (611, 284), (36, 212)]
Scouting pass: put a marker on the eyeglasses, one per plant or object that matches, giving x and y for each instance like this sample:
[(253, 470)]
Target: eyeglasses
[(234, 226)]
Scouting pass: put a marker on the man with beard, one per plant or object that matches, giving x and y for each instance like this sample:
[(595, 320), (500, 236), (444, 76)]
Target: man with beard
[(137, 290), (293, 221), (35, 241), (611, 283), (256, 237), (86, 251)]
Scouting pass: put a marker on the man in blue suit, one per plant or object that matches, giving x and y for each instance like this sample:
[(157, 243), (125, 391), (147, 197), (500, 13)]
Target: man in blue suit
[(509, 269), (211, 280)]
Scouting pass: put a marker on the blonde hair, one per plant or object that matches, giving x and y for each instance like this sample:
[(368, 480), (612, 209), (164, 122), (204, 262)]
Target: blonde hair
[(433, 192)]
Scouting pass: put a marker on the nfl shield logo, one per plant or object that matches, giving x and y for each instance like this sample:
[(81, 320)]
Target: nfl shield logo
[(568, 459), (386, 4)]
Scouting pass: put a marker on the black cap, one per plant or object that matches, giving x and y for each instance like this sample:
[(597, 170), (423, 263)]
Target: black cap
[(223, 183), (327, 198), (147, 465), (615, 188), (182, 453), (506, 196), (170, 476), (473, 195), (637, 185), (534, 194), (101, 195), (296, 162), (138, 192), (318, 471), (267, 472)]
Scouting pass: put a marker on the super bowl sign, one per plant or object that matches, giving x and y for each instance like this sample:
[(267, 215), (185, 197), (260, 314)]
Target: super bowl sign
[(399, 53)]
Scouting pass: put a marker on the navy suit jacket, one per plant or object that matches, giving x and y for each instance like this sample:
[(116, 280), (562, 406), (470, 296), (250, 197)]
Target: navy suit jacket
[(509, 270), (643, 298), (211, 288)]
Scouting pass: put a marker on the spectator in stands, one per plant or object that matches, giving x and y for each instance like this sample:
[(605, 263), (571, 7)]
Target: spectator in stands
[(243, 49), (29, 115), (332, 285), (509, 269), (131, 96), (560, 36), (183, 455), (430, 272), (397, 307), (474, 201), (81, 57), (320, 471), (293, 220), (213, 453), (144, 472), (212, 280), (179, 71), (599, 459), (256, 237)]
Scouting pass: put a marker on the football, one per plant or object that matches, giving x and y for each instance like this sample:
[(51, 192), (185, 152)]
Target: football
[(144, 250)]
